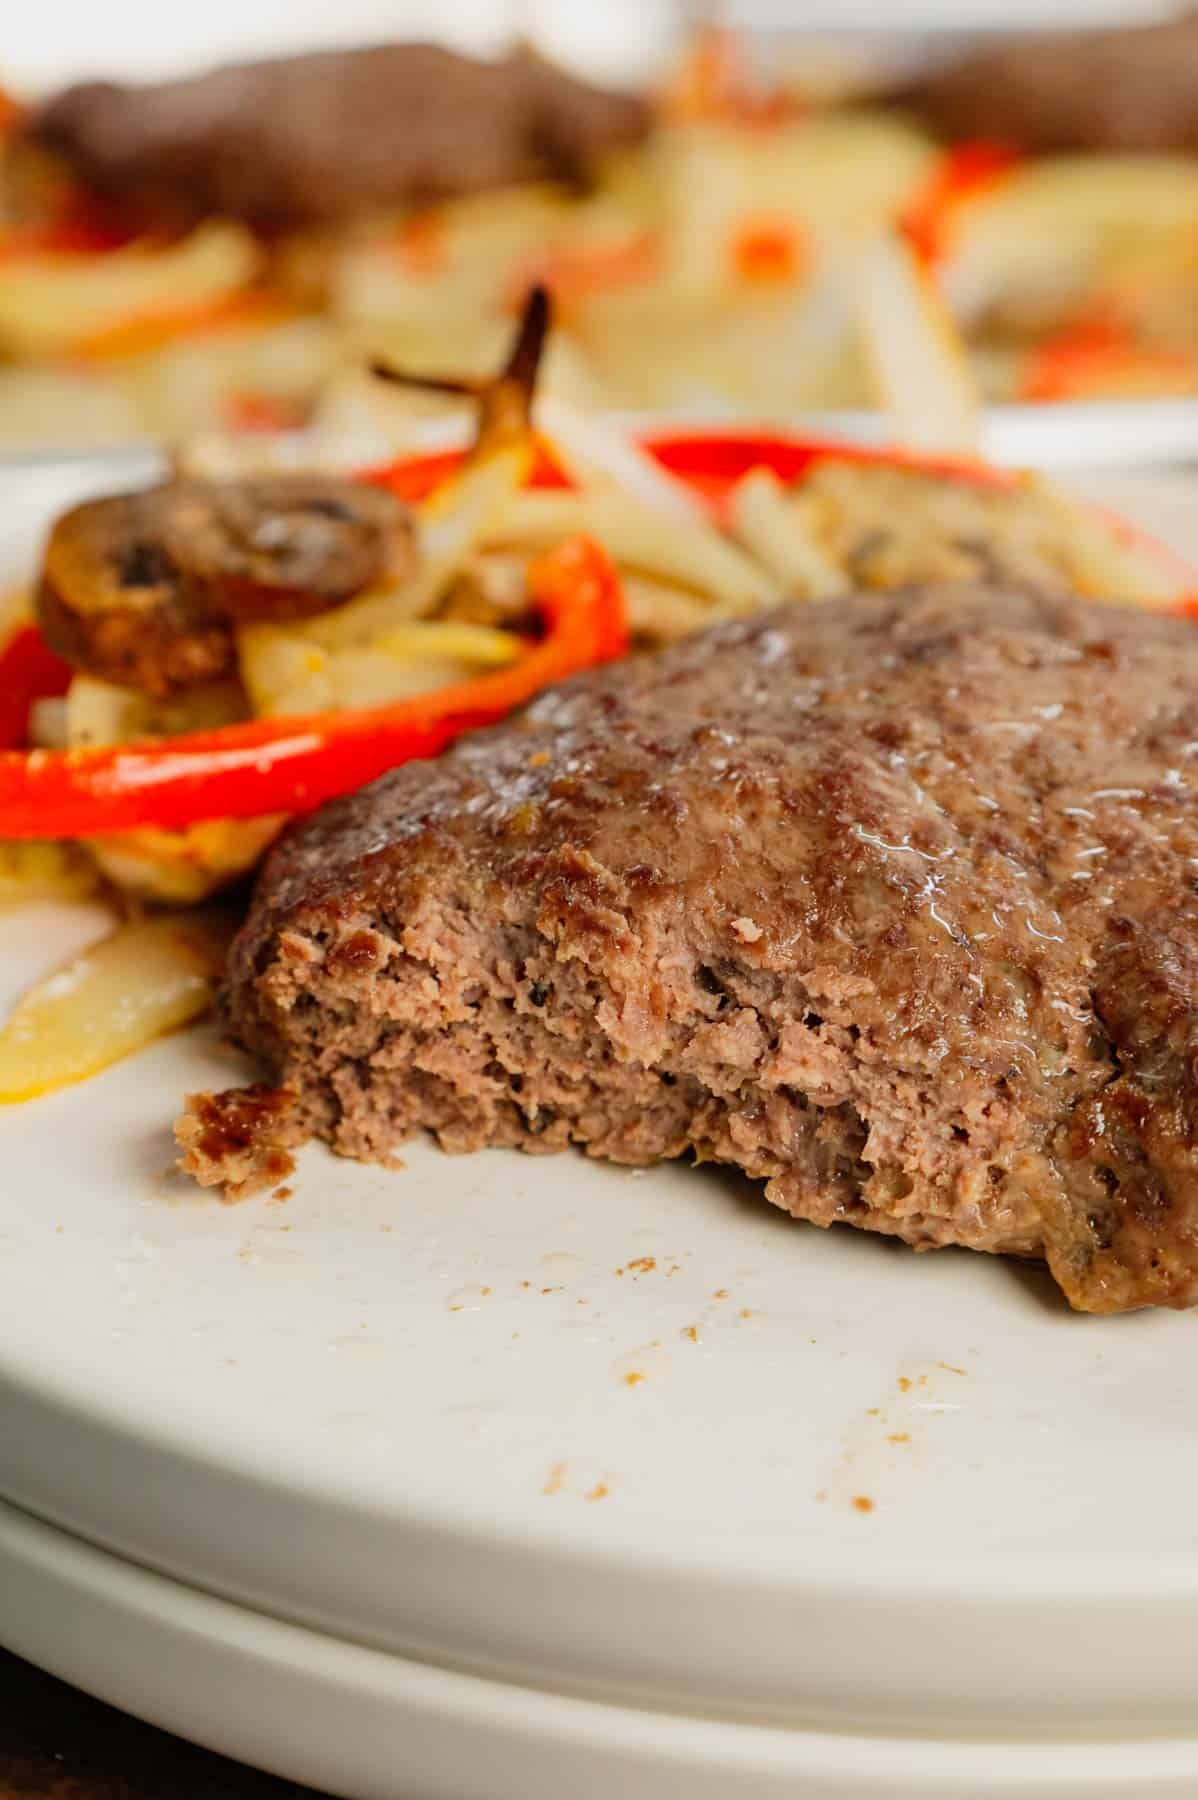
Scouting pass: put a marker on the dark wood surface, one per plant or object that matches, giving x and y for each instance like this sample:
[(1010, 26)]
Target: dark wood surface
[(56, 1744)]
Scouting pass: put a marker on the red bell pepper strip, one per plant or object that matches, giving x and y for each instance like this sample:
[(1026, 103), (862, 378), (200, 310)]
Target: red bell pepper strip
[(56, 237), (76, 226), (709, 462), (960, 175), (712, 463), (414, 478), (293, 764), (1101, 357), (768, 251), (157, 327), (29, 671)]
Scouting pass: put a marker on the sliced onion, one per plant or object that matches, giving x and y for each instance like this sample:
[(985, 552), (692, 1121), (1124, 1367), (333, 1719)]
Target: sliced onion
[(373, 678), (285, 673), (179, 868), (768, 524), (1106, 566), (596, 455), (696, 557), (48, 723), (44, 871), (1044, 233), (147, 979), (48, 304), (661, 612), (479, 646), (919, 366), (450, 525), (275, 660)]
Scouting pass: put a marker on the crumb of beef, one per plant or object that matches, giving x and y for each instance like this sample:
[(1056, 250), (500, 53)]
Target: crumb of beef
[(239, 1140)]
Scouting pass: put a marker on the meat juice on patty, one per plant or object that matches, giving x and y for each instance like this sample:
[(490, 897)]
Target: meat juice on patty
[(888, 902)]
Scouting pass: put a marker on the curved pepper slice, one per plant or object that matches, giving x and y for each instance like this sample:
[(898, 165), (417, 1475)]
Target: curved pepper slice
[(1100, 358), (962, 173), (293, 764)]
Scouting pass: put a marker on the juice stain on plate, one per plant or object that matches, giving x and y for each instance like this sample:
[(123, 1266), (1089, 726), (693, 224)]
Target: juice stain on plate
[(470, 1298), (882, 1448), (643, 1367), (579, 1478)]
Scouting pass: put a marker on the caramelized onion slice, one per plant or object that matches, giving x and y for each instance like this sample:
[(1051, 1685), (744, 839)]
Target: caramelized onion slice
[(33, 870), (150, 977)]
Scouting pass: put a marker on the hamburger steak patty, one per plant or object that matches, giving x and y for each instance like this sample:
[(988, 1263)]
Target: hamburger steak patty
[(890, 903), (1128, 88), (322, 137)]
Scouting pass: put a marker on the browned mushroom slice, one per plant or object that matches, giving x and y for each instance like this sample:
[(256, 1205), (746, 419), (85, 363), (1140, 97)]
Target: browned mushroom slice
[(286, 546), (144, 589), (112, 601)]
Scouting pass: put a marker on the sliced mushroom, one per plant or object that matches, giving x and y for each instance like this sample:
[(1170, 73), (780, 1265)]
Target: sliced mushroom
[(144, 589), (114, 602), (287, 546)]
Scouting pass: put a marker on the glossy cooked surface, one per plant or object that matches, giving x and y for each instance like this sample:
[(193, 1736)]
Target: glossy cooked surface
[(890, 901)]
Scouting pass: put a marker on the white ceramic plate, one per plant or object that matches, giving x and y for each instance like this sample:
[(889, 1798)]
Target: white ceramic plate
[(584, 1431), (1072, 435), (379, 1727)]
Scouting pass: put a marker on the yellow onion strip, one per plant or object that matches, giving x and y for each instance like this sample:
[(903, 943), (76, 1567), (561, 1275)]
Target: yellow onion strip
[(148, 978), (919, 366)]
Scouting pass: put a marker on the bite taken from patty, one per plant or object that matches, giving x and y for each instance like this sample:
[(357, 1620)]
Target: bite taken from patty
[(887, 902)]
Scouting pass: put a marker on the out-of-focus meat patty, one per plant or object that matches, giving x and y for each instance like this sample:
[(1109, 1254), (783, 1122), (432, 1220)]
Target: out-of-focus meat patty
[(890, 902), (319, 138), (1129, 89)]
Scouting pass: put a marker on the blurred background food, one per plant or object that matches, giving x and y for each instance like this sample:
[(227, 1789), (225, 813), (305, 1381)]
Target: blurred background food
[(193, 239)]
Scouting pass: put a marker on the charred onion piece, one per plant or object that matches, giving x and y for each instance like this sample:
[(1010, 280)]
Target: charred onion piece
[(144, 589), (504, 400)]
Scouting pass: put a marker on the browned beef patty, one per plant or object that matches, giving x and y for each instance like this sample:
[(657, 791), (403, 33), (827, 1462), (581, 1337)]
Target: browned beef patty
[(891, 903), (322, 137), (1134, 88)]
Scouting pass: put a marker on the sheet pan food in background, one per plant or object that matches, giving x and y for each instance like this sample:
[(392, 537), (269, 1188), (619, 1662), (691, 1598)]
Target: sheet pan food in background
[(223, 252)]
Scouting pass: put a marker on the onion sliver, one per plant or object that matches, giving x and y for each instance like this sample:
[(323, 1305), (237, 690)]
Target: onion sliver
[(33, 870), (921, 372), (148, 978)]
